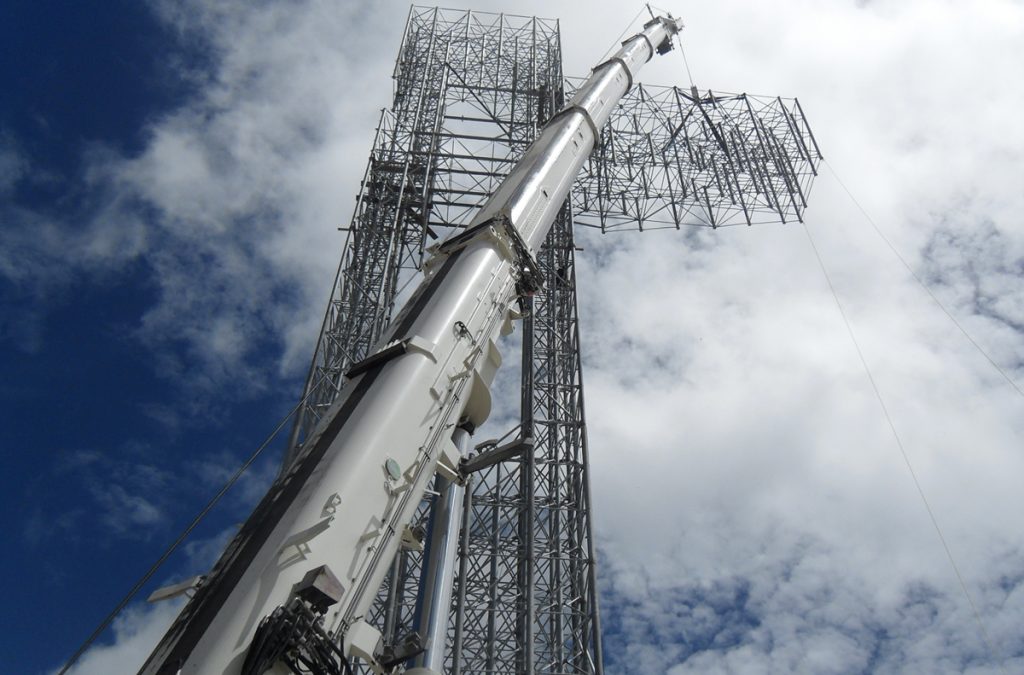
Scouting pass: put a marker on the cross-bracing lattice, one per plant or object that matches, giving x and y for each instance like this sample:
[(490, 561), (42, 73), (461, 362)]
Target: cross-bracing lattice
[(672, 157), (471, 91)]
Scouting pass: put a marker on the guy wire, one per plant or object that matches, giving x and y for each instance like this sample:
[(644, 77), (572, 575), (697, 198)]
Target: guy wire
[(181, 538), (629, 25), (679, 40), (903, 452), (921, 283)]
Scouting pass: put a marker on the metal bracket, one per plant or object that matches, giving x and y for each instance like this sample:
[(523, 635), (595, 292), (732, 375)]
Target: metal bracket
[(389, 352), (383, 356), (497, 454), (412, 538), (174, 590), (410, 646), (448, 463), (528, 272)]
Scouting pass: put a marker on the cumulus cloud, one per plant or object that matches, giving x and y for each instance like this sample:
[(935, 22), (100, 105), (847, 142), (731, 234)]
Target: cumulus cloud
[(134, 633), (978, 271), (125, 497), (779, 529), (138, 628), (234, 199), (132, 494)]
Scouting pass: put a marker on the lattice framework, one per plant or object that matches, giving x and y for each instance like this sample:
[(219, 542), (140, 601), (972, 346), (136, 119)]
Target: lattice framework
[(672, 157), (471, 92)]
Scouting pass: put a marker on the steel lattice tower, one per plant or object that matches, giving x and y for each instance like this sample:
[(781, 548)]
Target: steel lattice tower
[(471, 92)]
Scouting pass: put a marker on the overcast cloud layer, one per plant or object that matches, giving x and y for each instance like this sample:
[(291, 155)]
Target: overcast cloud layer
[(754, 513)]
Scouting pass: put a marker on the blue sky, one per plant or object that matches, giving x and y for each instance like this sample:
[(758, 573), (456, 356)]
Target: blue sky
[(107, 448), (171, 180)]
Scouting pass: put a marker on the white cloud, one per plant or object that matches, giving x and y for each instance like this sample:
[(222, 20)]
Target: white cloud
[(234, 200), (126, 513), (132, 495), (138, 628), (128, 497), (135, 631), (763, 459)]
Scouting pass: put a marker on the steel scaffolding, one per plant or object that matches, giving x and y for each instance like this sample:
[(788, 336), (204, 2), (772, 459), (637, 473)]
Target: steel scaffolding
[(471, 92), (673, 157)]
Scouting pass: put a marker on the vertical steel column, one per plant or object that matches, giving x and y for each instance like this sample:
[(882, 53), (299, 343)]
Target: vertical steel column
[(567, 638), (460, 600), (438, 580), (525, 614)]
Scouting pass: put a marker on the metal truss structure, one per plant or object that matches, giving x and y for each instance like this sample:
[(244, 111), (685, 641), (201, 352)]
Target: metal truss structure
[(673, 157), (472, 91)]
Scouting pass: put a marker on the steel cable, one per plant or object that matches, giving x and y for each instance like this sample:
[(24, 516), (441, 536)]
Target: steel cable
[(177, 542), (899, 443), (618, 40), (921, 283)]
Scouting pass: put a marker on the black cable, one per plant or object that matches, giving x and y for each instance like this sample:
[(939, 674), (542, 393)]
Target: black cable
[(177, 542)]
